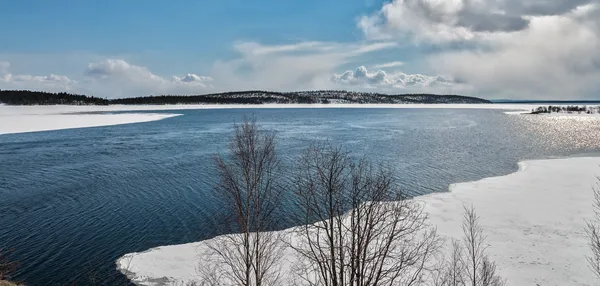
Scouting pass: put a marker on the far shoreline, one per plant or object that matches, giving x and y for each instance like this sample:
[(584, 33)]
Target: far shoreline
[(33, 118)]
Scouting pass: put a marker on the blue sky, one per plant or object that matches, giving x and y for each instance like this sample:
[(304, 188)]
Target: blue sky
[(189, 26), (487, 48)]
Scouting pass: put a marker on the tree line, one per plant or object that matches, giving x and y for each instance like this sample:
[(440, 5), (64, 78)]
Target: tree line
[(26, 97), (566, 109)]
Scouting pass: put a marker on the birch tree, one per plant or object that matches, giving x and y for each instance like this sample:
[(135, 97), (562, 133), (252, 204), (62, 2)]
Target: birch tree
[(251, 191), (366, 233)]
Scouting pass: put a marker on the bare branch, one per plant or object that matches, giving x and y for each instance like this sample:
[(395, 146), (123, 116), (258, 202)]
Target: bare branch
[(468, 263), (365, 233), (250, 189), (593, 232)]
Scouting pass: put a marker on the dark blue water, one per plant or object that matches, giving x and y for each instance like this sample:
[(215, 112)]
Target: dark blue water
[(73, 201)]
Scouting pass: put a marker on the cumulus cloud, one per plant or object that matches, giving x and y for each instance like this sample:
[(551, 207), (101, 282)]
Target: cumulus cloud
[(422, 20), (50, 82), (555, 57), (441, 21), (510, 48), (362, 77), (192, 78), (120, 70)]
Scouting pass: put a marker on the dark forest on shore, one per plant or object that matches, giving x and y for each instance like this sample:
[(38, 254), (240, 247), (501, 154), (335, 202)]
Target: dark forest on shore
[(26, 97)]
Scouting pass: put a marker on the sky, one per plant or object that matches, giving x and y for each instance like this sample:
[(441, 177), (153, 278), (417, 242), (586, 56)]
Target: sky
[(495, 49)]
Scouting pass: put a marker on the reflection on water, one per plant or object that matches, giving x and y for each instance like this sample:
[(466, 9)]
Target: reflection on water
[(72, 201), (568, 132)]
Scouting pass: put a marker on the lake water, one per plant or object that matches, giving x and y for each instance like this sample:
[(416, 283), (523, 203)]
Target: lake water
[(73, 201)]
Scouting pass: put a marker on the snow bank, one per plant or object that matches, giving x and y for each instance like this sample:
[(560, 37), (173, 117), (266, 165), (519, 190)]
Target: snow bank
[(534, 220), (19, 119), (34, 123)]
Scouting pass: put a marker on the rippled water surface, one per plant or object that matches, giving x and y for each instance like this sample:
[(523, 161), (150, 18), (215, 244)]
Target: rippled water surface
[(73, 201)]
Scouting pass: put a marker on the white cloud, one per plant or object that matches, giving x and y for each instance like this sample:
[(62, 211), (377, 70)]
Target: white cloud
[(192, 78), (512, 49), (388, 65), (50, 82), (379, 79), (421, 20), (442, 21), (555, 57), (256, 49), (126, 80), (120, 70)]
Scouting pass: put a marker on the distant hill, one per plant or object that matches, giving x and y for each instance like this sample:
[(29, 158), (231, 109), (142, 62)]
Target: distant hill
[(25, 97)]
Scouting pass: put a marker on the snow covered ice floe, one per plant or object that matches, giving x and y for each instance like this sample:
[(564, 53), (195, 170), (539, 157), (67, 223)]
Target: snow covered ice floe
[(534, 221), (20, 119)]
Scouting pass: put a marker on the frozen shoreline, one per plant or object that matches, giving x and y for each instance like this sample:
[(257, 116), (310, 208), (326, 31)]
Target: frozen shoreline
[(534, 219), (19, 119), (8, 109), (47, 122)]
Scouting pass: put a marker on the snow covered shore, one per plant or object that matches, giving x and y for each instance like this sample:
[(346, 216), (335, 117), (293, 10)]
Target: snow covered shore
[(34, 123), (5, 109), (46, 109), (534, 220), (18, 119)]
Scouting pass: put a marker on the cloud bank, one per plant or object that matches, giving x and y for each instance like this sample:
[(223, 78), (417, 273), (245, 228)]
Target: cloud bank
[(504, 49), (362, 77)]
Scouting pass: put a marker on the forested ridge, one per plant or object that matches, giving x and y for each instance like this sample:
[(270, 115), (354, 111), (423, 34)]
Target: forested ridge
[(26, 97)]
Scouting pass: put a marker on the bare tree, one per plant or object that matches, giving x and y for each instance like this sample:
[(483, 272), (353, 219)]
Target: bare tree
[(249, 188), (487, 274), (452, 272), (469, 264), (473, 242), (593, 231), (365, 232)]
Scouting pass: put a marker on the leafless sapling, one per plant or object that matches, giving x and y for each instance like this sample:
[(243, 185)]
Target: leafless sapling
[(469, 265), (250, 188), (593, 232)]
